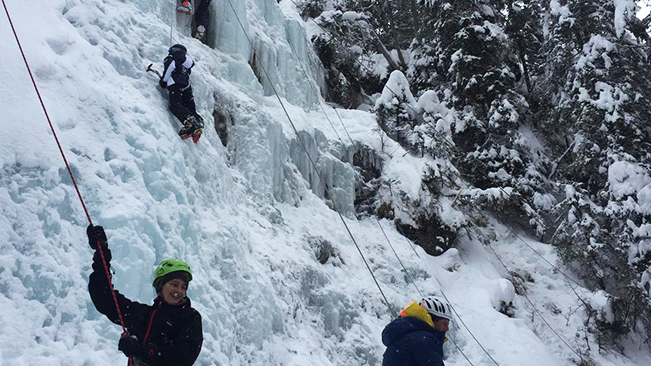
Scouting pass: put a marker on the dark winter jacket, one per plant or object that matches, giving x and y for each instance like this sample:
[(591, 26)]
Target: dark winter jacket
[(175, 332), (412, 342), (177, 69)]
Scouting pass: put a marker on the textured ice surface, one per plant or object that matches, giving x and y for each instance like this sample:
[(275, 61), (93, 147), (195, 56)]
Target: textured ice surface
[(243, 215)]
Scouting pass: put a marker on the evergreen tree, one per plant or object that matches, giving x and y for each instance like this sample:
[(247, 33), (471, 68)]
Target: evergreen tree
[(598, 80), (464, 53), (524, 26), (359, 31), (396, 113)]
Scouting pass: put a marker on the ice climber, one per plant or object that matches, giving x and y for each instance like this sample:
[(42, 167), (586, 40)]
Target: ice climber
[(184, 7), (201, 19), (176, 79), (416, 337), (167, 333)]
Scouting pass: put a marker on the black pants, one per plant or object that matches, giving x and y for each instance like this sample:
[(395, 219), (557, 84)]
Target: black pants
[(182, 101), (201, 13)]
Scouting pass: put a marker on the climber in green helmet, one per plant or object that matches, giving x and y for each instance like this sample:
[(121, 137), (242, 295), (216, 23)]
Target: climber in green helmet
[(169, 332)]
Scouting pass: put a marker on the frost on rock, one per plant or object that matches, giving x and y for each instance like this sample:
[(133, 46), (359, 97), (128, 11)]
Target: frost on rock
[(502, 296)]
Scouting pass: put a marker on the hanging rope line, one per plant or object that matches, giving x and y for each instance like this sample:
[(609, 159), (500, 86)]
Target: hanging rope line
[(443, 140), (554, 267), (172, 21), (460, 351), (524, 294), (318, 95), (316, 92), (392, 311), (464, 323), (536, 309), (65, 160), (409, 242)]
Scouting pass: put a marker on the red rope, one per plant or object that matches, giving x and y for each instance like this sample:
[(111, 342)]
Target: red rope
[(74, 182), (151, 321)]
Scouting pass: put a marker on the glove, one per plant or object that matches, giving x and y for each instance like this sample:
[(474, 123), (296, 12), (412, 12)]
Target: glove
[(97, 261), (96, 234), (162, 84), (131, 346)]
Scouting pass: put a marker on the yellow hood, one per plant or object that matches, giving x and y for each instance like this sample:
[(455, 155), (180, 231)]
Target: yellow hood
[(413, 309)]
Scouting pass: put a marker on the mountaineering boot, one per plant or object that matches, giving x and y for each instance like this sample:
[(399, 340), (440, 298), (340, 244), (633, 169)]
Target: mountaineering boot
[(196, 135), (198, 129), (184, 7), (189, 126)]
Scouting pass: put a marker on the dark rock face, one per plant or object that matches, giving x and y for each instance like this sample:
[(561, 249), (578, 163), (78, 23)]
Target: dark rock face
[(431, 234)]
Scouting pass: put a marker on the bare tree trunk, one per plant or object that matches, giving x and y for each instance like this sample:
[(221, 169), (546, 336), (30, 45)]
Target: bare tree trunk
[(415, 17), (385, 52), (403, 63), (525, 70)]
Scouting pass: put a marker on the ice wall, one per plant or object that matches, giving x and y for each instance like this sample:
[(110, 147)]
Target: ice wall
[(275, 48), (339, 177), (277, 277)]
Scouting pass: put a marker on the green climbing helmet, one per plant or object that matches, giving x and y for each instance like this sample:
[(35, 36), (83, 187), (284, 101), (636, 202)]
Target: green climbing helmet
[(171, 265)]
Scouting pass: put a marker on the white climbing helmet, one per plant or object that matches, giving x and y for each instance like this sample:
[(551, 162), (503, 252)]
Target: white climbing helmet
[(437, 307)]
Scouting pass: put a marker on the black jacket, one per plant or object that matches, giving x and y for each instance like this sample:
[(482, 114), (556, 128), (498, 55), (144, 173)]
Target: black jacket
[(176, 331), (178, 67), (412, 342)]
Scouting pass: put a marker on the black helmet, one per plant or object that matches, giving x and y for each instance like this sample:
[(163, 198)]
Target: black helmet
[(178, 48)]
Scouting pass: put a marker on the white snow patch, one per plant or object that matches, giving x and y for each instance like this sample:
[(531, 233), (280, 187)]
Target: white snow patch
[(626, 178)]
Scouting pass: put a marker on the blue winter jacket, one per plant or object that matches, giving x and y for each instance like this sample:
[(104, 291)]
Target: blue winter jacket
[(412, 342)]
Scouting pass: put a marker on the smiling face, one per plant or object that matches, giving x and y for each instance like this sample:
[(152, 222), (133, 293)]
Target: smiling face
[(173, 292)]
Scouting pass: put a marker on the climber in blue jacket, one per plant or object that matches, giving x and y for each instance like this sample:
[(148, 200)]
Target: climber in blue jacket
[(416, 337)]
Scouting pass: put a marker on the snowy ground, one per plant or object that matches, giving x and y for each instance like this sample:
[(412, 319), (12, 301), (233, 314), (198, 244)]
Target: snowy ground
[(242, 215)]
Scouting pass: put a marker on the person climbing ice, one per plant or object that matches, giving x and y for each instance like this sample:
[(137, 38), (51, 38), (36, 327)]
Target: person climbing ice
[(176, 79), (167, 333), (184, 7), (201, 20), (416, 337)]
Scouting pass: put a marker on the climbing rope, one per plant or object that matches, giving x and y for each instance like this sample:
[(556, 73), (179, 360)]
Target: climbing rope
[(65, 160), (411, 280), (392, 311), (409, 242), (464, 324), (172, 21), (536, 309), (444, 141)]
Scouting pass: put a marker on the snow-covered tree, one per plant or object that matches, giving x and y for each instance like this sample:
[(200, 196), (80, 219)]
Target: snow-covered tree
[(396, 112), (597, 115), (524, 27)]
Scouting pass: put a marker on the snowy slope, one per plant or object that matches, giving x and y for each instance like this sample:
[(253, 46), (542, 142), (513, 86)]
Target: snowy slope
[(243, 216)]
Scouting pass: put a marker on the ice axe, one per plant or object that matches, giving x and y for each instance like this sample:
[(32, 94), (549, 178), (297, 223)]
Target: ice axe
[(149, 69)]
